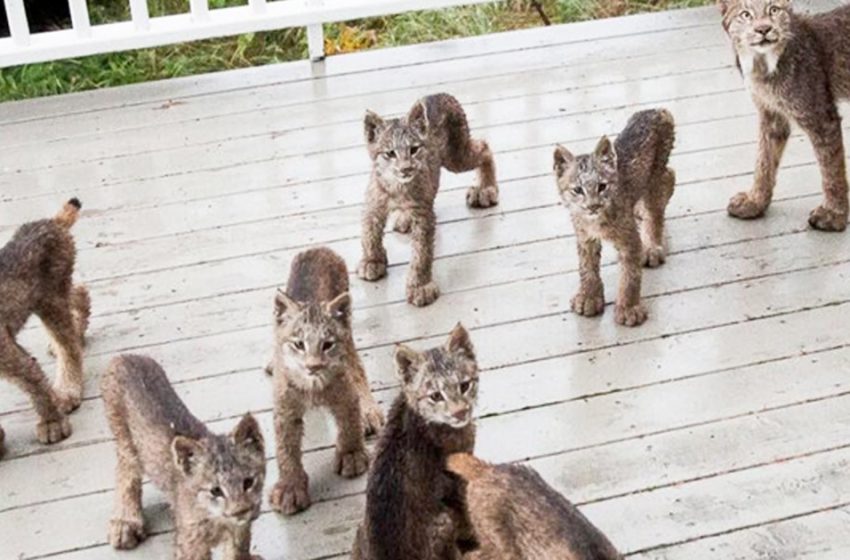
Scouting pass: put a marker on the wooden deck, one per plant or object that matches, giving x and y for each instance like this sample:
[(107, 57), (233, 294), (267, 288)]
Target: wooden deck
[(719, 429)]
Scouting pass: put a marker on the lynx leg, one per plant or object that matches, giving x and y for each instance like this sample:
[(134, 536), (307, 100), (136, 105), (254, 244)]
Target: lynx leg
[(590, 298), (774, 131), (291, 493), (127, 526), (827, 139), (403, 221), (652, 226), (190, 543), (58, 317), (239, 548), (81, 310), (23, 370), (629, 310), (371, 414), (421, 288), (373, 265), (352, 460), (486, 193)]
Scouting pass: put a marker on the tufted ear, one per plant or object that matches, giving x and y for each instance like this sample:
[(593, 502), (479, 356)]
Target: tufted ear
[(340, 307), (459, 342), (406, 360), (724, 6), (284, 305), (372, 125), (605, 153), (186, 452), (564, 160), (418, 116), (247, 435)]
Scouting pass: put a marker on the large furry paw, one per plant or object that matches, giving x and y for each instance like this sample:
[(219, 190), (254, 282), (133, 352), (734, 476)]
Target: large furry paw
[(482, 197), (743, 207), (351, 464), (403, 222), (53, 431), (827, 219), (292, 495), (653, 257), (420, 296), (373, 420), (630, 315), (372, 270), (126, 535), (68, 400), (588, 304)]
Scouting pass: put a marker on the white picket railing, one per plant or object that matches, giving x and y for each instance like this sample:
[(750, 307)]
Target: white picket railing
[(201, 22)]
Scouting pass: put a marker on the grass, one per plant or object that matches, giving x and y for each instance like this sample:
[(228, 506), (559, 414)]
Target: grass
[(290, 44)]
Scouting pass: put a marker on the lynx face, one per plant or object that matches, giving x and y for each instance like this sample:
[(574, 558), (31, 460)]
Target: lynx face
[(398, 147), (588, 183), (758, 26), (310, 339), (441, 384), (225, 473)]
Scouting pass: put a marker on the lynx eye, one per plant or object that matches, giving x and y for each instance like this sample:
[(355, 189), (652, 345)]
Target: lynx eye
[(414, 150), (774, 10), (298, 345), (327, 345), (578, 191), (436, 397), (216, 492), (746, 15), (602, 187), (464, 387), (247, 484), (390, 154)]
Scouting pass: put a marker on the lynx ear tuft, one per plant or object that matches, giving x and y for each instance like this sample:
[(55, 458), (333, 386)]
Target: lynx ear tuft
[(406, 360), (605, 153), (564, 160), (247, 434), (186, 453), (372, 125), (418, 116), (460, 342), (284, 305)]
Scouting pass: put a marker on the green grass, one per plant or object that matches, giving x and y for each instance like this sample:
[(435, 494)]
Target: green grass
[(290, 44)]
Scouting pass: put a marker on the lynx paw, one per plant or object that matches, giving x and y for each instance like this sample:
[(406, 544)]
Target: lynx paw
[(125, 535), (420, 296), (826, 219), (482, 197), (68, 400), (372, 270), (352, 464), (630, 316), (653, 257), (53, 431), (588, 304), (403, 222), (373, 421), (291, 496), (743, 207)]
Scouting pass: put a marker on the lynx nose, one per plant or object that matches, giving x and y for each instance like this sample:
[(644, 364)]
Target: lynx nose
[(594, 208), (763, 28), (314, 366), (461, 414)]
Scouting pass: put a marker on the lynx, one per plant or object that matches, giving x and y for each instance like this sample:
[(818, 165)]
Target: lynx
[(796, 67), (540, 525), (315, 364), (620, 193), (407, 154), (214, 483), (412, 505), (36, 277)]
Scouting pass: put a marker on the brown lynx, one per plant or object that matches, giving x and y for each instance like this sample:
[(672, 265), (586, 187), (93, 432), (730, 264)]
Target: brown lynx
[(608, 193), (540, 525), (214, 483), (412, 509), (36, 277), (796, 67), (407, 154), (316, 364)]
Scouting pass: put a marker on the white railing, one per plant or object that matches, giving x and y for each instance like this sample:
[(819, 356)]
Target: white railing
[(144, 31)]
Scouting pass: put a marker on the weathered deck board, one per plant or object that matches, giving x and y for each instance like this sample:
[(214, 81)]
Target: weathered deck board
[(720, 425)]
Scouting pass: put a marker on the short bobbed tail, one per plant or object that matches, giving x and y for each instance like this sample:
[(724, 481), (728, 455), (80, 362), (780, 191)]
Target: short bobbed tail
[(69, 213)]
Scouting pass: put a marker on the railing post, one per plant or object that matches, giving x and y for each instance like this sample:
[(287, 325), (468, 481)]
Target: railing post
[(80, 17), (259, 6), (316, 42), (139, 12), (200, 10), (19, 27)]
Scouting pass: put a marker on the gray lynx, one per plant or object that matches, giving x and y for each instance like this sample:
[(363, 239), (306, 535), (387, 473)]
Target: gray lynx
[(796, 68), (214, 483), (619, 193), (316, 364), (36, 278), (407, 154)]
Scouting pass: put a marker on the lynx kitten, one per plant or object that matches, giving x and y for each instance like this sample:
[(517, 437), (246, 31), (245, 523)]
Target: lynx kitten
[(796, 67), (407, 154), (412, 506), (315, 364), (619, 193), (213, 482)]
